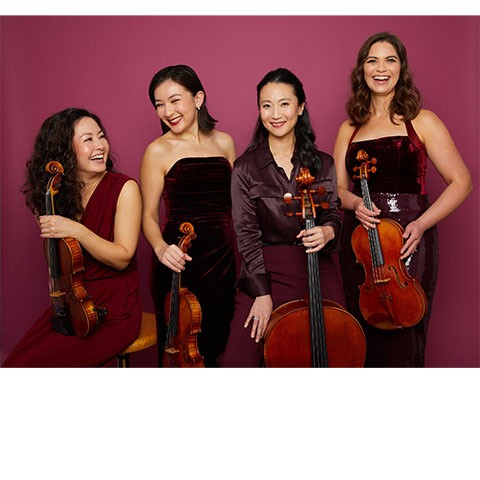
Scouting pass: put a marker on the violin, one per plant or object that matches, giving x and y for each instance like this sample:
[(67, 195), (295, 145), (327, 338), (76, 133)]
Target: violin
[(313, 333), (74, 311), (184, 317), (390, 298)]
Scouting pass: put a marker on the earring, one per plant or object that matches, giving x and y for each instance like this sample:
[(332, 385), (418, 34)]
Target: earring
[(198, 108)]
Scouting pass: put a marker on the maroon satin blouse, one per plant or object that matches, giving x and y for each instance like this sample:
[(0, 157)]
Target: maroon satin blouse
[(259, 212)]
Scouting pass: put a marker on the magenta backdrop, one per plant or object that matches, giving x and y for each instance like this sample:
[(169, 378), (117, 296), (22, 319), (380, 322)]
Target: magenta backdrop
[(105, 64)]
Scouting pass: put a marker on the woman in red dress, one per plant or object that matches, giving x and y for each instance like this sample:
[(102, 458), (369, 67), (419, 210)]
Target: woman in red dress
[(101, 209)]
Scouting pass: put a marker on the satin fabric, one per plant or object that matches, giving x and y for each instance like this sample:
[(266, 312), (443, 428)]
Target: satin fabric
[(398, 190), (197, 190)]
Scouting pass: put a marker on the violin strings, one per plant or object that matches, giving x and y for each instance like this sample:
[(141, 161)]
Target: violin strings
[(319, 348)]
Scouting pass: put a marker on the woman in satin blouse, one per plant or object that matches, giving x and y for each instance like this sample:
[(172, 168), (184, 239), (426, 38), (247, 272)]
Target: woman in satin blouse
[(273, 246), (189, 166), (386, 120)]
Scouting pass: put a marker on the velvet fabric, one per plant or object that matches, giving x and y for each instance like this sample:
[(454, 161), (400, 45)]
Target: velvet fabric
[(397, 189), (117, 291), (197, 190)]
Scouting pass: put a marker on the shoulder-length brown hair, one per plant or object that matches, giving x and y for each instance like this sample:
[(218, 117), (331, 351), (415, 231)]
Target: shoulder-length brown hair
[(407, 100)]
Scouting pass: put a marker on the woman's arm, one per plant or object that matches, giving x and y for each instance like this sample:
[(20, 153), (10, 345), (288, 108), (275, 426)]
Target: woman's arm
[(116, 254), (448, 162), (350, 201), (152, 180)]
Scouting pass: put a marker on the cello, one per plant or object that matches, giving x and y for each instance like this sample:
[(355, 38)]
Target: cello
[(74, 311), (390, 298), (313, 333), (184, 317)]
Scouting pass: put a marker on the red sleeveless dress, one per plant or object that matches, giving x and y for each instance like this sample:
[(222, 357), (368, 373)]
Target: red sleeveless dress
[(115, 290)]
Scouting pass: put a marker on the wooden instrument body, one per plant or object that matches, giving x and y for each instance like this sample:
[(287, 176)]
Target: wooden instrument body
[(183, 315), (74, 311), (317, 333), (182, 350), (69, 289), (289, 331), (390, 298)]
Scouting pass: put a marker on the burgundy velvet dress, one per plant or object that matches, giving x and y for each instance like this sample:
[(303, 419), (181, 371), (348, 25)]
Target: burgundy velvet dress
[(197, 190), (115, 290), (398, 190)]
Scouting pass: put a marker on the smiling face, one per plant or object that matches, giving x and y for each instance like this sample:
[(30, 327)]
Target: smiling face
[(176, 106), (90, 146), (279, 109), (382, 69)]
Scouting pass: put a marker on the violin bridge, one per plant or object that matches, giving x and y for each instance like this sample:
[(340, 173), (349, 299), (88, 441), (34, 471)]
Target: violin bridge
[(171, 350), (381, 280), (57, 294)]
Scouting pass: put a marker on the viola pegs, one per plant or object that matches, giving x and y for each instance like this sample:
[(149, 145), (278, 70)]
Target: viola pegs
[(374, 161), (356, 168), (320, 191), (324, 205), (373, 169), (288, 198)]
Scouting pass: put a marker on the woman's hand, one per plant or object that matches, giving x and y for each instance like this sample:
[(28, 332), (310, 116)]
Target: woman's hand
[(172, 257), (56, 226), (365, 216), (316, 238), (413, 234), (259, 316)]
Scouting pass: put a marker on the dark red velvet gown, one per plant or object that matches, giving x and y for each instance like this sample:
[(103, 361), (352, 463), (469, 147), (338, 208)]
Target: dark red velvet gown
[(398, 190), (197, 190), (117, 291)]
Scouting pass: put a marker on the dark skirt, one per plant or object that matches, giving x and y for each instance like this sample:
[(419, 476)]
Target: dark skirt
[(287, 269), (393, 348)]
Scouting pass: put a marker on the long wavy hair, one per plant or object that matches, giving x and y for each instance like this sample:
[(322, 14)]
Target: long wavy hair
[(407, 101), (188, 79), (304, 135), (54, 141)]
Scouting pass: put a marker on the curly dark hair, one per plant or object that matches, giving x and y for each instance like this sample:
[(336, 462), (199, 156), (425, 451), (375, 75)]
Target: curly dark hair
[(188, 79), (407, 100), (304, 135), (54, 141)]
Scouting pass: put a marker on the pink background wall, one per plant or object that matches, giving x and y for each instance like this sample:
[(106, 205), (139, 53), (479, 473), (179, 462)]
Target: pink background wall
[(105, 64)]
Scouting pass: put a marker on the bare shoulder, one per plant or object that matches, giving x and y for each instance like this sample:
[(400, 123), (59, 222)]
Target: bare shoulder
[(223, 139), (427, 123), (346, 130), (225, 143), (158, 154)]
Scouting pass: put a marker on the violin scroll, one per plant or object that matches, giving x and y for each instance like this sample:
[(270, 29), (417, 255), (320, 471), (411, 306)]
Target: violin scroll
[(367, 166)]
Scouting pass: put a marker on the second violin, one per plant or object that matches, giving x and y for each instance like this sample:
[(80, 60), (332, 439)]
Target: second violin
[(184, 317)]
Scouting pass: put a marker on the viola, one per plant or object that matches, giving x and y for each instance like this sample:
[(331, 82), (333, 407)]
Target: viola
[(74, 311), (390, 298), (313, 332), (184, 317)]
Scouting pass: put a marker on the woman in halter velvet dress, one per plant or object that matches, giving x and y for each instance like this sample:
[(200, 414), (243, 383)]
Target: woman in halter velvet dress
[(190, 166), (387, 122)]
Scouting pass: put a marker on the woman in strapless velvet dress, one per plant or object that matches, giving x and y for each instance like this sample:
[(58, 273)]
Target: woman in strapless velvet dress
[(386, 120), (190, 167)]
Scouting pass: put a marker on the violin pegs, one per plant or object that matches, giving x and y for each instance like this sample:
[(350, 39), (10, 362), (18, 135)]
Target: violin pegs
[(373, 169), (320, 191), (374, 161), (287, 198)]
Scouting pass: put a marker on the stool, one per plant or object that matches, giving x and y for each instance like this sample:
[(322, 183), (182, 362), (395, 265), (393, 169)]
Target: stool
[(147, 337)]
